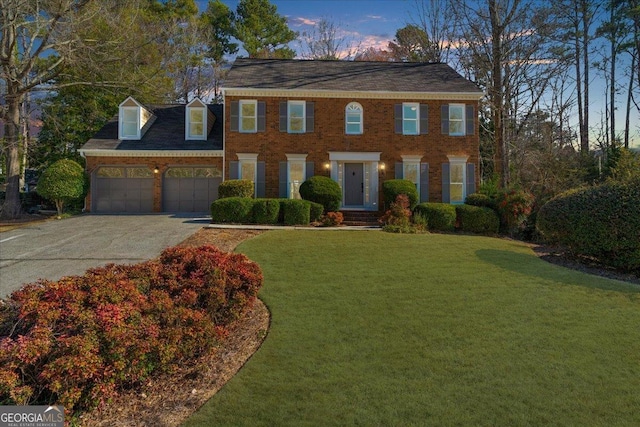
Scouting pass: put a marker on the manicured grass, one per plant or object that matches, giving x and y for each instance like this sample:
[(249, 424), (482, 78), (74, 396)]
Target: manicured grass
[(372, 328)]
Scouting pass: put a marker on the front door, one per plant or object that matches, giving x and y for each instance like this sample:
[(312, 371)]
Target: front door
[(353, 184)]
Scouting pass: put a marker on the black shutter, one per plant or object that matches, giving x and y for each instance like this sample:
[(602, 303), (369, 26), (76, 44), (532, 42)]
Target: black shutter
[(260, 180), (471, 120), (471, 179), (397, 109), (444, 119), (424, 119), (283, 180), (424, 182), (233, 170), (310, 117), (235, 116), (446, 184), (309, 170), (399, 172), (262, 122), (283, 116)]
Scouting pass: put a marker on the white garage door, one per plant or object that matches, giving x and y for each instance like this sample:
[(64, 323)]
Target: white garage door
[(190, 189), (125, 189)]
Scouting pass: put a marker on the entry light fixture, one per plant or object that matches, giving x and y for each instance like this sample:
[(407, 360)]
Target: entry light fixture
[(327, 167), (382, 168), (156, 169)]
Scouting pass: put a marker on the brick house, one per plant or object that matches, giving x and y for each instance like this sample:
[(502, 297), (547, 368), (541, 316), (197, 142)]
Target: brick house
[(283, 121)]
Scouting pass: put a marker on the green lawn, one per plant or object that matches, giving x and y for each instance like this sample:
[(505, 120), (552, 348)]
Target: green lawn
[(372, 328)]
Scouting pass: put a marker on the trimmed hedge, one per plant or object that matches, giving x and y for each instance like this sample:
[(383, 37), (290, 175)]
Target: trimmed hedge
[(475, 219), (439, 216), (392, 188), (323, 190), (235, 188), (480, 200), (82, 339), (602, 222), (232, 209), (265, 211), (316, 211), (295, 212)]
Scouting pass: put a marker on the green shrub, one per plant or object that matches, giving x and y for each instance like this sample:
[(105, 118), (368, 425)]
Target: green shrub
[(316, 211), (235, 188), (601, 222), (82, 339), (295, 212), (475, 219), (513, 207), (232, 209), (480, 200), (63, 182), (265, 211), (439, 216), (323, 190), (392, 188)]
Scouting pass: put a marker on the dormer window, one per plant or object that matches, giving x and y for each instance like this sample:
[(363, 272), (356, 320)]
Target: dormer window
[(196, 120), (134, 119)]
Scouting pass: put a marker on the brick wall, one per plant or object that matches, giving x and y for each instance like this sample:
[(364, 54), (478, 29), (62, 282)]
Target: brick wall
[(162, 163), (329, 135)]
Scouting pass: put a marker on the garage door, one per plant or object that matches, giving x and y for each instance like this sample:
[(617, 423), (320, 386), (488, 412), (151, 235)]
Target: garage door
[(190, 189), (122, 189)]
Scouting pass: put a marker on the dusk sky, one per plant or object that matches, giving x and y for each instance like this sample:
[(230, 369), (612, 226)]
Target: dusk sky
[(374, 23)]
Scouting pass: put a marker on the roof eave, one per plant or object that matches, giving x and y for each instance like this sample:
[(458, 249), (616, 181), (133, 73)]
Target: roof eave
[(355, 94)]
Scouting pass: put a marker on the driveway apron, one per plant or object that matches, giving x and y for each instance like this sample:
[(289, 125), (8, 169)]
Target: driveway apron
[(54, 249)]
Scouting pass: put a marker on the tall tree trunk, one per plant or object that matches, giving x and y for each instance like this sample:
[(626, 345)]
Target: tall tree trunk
[(11, 207), (612, 89), (629, 92), (584, 131), (501, 160)]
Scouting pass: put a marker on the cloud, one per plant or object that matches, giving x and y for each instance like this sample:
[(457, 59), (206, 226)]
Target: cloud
[(299, 21), (374, 16)]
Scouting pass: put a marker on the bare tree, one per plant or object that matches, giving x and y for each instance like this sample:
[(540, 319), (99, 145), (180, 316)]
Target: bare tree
[(327, 41), (434, 18)]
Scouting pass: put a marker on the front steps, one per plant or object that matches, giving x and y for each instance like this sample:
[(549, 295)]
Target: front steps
[(361, 218)]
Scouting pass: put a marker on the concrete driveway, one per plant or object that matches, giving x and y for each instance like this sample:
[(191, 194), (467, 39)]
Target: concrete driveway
[(54, 249)]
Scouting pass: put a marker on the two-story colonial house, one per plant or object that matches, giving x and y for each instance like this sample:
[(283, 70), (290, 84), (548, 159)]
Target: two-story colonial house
[(283, 121)]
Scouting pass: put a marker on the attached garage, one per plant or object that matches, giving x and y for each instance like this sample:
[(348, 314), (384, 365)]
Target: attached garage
[(123, 189), (190, 189)]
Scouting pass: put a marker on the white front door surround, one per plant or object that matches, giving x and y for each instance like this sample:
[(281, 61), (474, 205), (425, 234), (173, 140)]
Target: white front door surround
[(369, 181)]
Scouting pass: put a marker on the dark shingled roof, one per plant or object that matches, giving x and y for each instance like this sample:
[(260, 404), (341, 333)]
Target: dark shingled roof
[(347, 76), (166, 133)]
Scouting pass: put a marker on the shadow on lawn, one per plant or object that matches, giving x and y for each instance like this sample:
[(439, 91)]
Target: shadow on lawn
[(532, 265)]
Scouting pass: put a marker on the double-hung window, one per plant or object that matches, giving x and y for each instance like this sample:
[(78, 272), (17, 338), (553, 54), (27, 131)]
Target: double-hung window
[(353, 119), (130, 122), (196, 123), (410, 118), (248, 116), (296, 116), (456, 119)]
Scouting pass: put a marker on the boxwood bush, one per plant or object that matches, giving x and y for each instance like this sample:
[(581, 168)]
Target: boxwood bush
[(439, 216), (323, 190), (481, 200), (476, 219), (295, 212), (232, 209), (601, 222), (316, 211), (265, 211), (392, 188), (235, 188)]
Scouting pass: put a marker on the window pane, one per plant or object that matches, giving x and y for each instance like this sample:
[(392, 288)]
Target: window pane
[(248, 124), (296, 124), (179, 173), (410, 127), (353, 128), (296, 177), (353, 117), (455, 112), (130, 128), (196, 115), (248, 171), (139, 173), (296, 110), (411, 172), (456, 192), (455, 128), (410, 111), (106, 172), (130, 115), (457, 173), (248, 110), (211, 172)]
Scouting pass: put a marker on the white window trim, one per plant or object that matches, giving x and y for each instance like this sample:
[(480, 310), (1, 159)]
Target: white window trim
[(459, 160), (464, 119), (304, 116), (417, 119), (253, 102), (121, 120), (355, 108), (196, 137), (295, 158), (249, 158)]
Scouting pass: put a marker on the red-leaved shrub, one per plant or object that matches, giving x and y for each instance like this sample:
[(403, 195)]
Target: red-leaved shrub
[(79, 340)]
